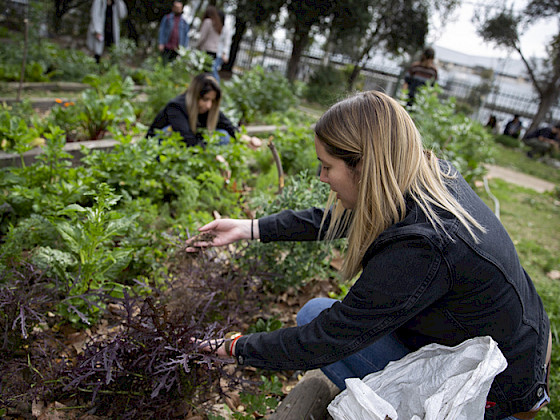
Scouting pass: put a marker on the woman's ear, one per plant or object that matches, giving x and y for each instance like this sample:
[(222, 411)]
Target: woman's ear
[(358, 170)]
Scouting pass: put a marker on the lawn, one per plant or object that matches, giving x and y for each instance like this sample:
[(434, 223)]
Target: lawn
[(533, 222), (518, 160)]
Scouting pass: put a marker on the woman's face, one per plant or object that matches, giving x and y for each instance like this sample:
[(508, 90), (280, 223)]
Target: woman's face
[(342, 180), (205, 103)]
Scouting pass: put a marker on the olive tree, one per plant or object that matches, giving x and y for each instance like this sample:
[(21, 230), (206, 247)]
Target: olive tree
[(504, 28)]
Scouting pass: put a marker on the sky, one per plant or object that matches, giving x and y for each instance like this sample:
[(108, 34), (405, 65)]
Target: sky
[(459, 33)]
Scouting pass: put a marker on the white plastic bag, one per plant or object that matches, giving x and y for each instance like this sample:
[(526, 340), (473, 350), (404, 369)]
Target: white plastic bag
[(434, 383)]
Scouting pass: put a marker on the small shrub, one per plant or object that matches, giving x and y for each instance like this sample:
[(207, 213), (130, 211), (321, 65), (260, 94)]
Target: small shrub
[(291, 264), (257, 93), (452, 136), (326, 86), (508, 141)]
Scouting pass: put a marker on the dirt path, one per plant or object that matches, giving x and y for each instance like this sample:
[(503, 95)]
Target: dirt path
[(519, 178)]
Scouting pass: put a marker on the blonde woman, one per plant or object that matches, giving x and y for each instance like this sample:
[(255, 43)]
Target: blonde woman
[(198, 107), (433, 263)]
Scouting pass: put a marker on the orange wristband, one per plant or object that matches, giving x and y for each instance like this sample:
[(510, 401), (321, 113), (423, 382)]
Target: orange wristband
[(230, 351)]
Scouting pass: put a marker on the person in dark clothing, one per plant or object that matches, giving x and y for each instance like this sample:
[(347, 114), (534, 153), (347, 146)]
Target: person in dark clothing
[(173, 33), (197, 108), (420, 73), (492, 124), (513, 127), (543, 140), (434, 264)]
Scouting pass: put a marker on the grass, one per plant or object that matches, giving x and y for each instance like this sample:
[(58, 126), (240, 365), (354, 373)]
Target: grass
[(533, 222), (518, 160)]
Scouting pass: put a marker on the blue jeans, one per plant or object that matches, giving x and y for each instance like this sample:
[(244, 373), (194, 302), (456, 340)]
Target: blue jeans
[(371, 359), (216, 65), (225, 138)]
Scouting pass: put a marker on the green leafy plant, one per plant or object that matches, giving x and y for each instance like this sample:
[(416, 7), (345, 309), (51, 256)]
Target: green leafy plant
[(291, 264), (259, 404), (16, 135), (326, 86), (508, 141), (90, 260), (105, 106), (265, 325), (452, 136), (46, 61), (258, 93)]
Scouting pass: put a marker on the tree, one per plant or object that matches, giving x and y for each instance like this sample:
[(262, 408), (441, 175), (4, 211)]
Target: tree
[(399, 27), (61, 7), (303, 15), (503, 29), (251, 13)]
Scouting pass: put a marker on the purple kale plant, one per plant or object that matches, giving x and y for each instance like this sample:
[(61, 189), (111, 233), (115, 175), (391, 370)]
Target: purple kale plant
[(154, 365)]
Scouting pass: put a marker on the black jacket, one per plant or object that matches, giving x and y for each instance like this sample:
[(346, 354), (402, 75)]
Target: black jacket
[(427, 287), (175, 115)]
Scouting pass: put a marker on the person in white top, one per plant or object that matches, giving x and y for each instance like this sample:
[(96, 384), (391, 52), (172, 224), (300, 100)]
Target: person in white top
[(210, 31), (105, 25), (222, 55)]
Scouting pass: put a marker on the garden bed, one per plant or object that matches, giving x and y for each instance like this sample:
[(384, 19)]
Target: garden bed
[(75, 148)]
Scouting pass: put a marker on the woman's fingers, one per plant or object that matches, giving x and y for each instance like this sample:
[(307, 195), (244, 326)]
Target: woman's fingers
[(212, 346), (219, 233)]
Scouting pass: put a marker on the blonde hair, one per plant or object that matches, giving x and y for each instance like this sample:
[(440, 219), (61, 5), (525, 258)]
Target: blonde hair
[(200, 86), (378, 141)]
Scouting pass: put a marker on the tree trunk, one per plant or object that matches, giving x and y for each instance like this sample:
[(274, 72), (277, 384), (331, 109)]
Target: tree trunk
[(299, 42), (550, 95), (61, 7), (361, 61), (353, 77), (240, 29)]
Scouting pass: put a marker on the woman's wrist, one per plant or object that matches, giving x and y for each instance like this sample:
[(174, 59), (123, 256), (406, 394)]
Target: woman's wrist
[(232, 346), (254, 229)]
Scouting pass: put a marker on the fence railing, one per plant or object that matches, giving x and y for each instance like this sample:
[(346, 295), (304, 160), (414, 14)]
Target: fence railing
[(380, 74)]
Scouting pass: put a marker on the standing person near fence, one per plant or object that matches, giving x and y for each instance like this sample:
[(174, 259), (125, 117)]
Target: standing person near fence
[(224, 45), (210, 31), (105, 25), (433, 264), (173, 33), (420, 73)]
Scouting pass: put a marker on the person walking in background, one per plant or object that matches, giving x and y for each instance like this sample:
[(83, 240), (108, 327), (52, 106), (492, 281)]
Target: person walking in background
[(210, 31), (419, 73), (224, 45), (513, 127), (543, 141), (195, 109), (105, 25), (173, 33)]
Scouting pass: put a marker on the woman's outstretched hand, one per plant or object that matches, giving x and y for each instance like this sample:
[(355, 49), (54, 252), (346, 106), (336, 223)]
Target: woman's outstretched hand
[(218, 347), (223, 232)]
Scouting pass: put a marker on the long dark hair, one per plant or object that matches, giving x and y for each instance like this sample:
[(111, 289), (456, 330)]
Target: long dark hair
[(212, 14)]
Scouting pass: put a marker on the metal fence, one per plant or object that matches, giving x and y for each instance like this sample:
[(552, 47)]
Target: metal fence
[(500, 99)]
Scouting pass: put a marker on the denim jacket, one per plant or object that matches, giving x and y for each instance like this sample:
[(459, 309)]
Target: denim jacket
[(166, 26), (427, 286)]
